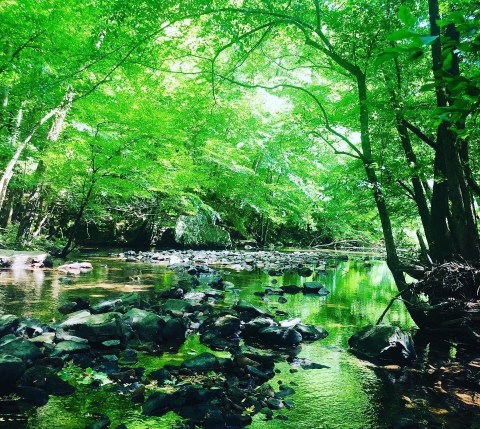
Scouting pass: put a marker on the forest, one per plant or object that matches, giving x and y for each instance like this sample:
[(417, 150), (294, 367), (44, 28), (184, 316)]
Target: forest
[(247, 135)]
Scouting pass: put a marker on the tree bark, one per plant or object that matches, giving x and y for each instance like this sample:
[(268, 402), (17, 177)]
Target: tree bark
[(9, 170), (463, 227)]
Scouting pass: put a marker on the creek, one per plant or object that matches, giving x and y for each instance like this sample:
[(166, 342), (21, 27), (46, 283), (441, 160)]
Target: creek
[(347, 393)]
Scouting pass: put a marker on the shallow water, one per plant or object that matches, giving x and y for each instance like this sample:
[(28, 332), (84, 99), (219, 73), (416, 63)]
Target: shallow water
[(346, 394)]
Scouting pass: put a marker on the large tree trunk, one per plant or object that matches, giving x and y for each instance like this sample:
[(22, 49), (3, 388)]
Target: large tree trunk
[(463, 227), (393, 260)]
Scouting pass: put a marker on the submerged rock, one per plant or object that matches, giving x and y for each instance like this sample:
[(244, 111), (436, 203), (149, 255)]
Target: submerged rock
[(384, 343), (11, 368), (315, 287)]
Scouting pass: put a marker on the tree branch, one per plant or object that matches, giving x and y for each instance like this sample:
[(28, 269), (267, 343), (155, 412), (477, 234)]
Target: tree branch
[(310, 95), (415, 130)]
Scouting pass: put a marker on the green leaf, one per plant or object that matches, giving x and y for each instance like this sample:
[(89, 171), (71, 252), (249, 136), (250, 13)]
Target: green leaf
[(427, 87), (401, 34), (384, 57), (406, 16), (428, 40)]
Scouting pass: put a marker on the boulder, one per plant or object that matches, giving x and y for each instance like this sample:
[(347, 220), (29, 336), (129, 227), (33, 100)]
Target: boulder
[(248, 312), (291, 289), (310, 332), (201, 231), (45, 378), (253, 327), (20, 348), (279, 336), (157, 404), (95, 328), (144, 324), (76, 305), (383, 343), (202, 363), (174, 329), (8, 324), (176, 306), (11, 368), (75, 268), (70, 347)]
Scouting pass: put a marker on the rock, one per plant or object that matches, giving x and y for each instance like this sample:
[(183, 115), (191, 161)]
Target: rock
[(384, 343), (157, 404), (133, 299), (201, 231), (248, 312), (284, 392), (128, 357), (305, 272), (31, 328), (76, 268), (8, 324), (274, 404), (69, 347), (22, 259), (310, 332), (45, 378), (76, 305), (227, 325), (291, 289), (20, 348), (106, 306), (145, 325), (46, 338), (176, 306), (252, 328), (174, 330), (315, 287), (95, 328), (258, 373), (101, 422), (160, 375), (11, 368), (278, 336), (203, 363), (33, 395)]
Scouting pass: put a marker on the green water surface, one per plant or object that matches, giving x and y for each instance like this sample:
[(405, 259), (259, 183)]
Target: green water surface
[(347, 394)]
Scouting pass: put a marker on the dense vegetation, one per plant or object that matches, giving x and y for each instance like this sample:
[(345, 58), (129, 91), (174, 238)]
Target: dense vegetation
[(292, 121)]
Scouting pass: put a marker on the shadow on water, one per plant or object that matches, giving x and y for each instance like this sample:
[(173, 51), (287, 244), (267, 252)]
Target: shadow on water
[(347, 394)]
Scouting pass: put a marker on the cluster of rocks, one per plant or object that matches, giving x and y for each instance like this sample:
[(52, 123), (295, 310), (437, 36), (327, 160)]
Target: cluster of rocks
[(275, 263), (24, 259), (106, 337)]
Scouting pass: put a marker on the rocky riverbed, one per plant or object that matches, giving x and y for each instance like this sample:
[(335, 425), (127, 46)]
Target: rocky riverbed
[(105, 338), (202, 343)]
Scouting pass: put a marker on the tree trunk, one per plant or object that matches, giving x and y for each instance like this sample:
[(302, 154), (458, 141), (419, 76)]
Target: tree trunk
[(27, 222), (9, 170), (463, 227)]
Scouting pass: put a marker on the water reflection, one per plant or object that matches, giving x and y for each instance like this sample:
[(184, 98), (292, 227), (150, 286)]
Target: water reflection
[(346, 394)]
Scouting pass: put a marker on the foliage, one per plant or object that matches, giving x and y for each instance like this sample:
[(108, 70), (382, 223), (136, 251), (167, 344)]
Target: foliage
[(249, 109)]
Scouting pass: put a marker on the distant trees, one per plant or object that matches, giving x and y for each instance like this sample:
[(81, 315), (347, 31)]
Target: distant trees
[(280, 115)]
